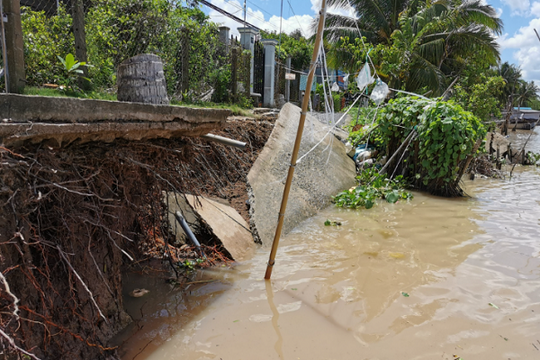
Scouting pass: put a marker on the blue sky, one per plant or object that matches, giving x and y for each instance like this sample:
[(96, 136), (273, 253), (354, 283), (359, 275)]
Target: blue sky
[(519, 44)]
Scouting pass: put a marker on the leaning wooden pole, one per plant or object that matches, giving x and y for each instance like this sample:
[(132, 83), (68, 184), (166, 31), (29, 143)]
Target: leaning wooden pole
[(296, 148)]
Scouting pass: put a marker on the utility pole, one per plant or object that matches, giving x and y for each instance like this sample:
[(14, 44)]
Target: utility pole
[(14, 45), (245, 13), (280, 26)]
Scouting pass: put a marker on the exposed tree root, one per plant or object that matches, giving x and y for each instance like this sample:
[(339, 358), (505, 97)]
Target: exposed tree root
[(72, 217)]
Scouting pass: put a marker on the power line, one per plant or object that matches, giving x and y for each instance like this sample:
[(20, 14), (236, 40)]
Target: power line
[(300, 25), (228, 14), (251, 13), (252, 3)]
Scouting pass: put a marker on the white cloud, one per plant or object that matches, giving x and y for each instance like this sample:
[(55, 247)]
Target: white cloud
[(527, 45), (346, 11), (528, 61), (535, 9), (519, 7), (256, 17)]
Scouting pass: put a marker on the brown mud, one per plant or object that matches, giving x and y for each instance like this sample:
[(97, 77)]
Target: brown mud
[(433, 278), (73, 218)]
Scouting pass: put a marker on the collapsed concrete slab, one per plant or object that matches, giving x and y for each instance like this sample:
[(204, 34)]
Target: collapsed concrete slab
[(496, 142), (64, 120), (221, 220), (326, 171)]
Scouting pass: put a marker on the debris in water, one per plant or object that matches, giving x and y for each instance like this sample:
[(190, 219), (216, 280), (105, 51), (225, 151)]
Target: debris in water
[(236, 321), (294, 288), (492, 304), (138, 293), (371, 253), (404, 294), (332, 223), (397, 255)]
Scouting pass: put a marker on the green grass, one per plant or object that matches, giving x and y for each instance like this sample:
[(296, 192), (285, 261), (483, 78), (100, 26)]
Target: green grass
[(235, 109), (97, 95)]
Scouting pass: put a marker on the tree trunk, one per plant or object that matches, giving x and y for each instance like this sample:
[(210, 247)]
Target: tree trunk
[(14, 44), (141, 79), (77, 12)]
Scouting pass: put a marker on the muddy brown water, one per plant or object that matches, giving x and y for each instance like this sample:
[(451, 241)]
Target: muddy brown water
[(432, 278)]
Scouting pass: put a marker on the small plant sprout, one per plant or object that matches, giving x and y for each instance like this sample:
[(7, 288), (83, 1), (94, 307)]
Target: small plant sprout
[(72, 70)]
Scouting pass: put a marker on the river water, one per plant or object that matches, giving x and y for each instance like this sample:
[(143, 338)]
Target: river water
[(432, 278)]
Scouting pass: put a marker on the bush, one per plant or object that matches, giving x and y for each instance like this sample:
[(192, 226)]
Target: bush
[(446, 136), (221, 81), (44, 39), (118, 30)]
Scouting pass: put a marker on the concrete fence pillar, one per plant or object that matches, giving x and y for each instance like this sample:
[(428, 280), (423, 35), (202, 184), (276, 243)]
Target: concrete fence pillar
[(269, 71), (247, 40), (224, 37)]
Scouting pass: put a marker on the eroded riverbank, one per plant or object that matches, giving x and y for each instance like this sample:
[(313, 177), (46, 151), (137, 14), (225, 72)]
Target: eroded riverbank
[(338, 292)]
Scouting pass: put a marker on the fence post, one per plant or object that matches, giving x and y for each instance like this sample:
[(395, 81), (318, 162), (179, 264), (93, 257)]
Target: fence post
[(234, 73), (14, 45), (269, 71), (247, 39), (80, 39), (288, 82), (224, 37), (185, 59)]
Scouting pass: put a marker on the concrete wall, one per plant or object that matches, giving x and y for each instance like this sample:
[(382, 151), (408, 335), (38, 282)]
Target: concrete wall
[(322, 174)]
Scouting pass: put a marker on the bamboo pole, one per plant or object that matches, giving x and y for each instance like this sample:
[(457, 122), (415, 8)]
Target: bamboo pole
[(296, 148)]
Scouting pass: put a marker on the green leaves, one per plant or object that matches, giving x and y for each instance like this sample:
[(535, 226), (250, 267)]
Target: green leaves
[(329, 222), (373, 186), (446, 136), (392, 197)]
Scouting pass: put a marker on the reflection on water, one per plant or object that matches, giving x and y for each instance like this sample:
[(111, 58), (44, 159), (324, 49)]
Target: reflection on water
[(341, 292)]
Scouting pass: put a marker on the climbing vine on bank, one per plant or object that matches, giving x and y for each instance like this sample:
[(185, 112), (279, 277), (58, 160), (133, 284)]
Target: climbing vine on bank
[(440, 138)]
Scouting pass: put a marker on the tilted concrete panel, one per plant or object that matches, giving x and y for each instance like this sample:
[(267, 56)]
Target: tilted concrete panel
[(325, 172)]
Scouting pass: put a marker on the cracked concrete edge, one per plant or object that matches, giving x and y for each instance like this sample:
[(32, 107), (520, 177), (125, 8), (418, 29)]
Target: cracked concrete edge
[(24, 108), (252, 224), (64, 134)]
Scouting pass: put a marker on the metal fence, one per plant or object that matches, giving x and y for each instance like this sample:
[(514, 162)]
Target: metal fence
[(104, 33), (199, 63)]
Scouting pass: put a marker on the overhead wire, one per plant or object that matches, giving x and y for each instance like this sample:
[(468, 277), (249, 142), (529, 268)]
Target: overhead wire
[(251, 13), (252, 3), (296, 17)]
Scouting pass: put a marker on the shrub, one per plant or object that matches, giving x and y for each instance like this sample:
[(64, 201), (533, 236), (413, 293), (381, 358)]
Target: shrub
[(44, 39), (446, 136)]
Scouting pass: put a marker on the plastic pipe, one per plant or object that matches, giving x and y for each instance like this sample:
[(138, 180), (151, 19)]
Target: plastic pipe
[(225, 140), (183, 223)]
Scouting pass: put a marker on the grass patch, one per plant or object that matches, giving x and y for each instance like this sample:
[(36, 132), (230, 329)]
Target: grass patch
[(235, 109), (97, 95)]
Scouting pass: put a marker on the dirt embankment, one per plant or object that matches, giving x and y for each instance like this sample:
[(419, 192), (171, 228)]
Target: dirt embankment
[(72, 218)]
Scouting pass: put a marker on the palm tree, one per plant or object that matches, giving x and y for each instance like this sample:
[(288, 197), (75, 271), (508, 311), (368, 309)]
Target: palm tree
[(426, 40), (527, 93), (376, 19), (512, 78)]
